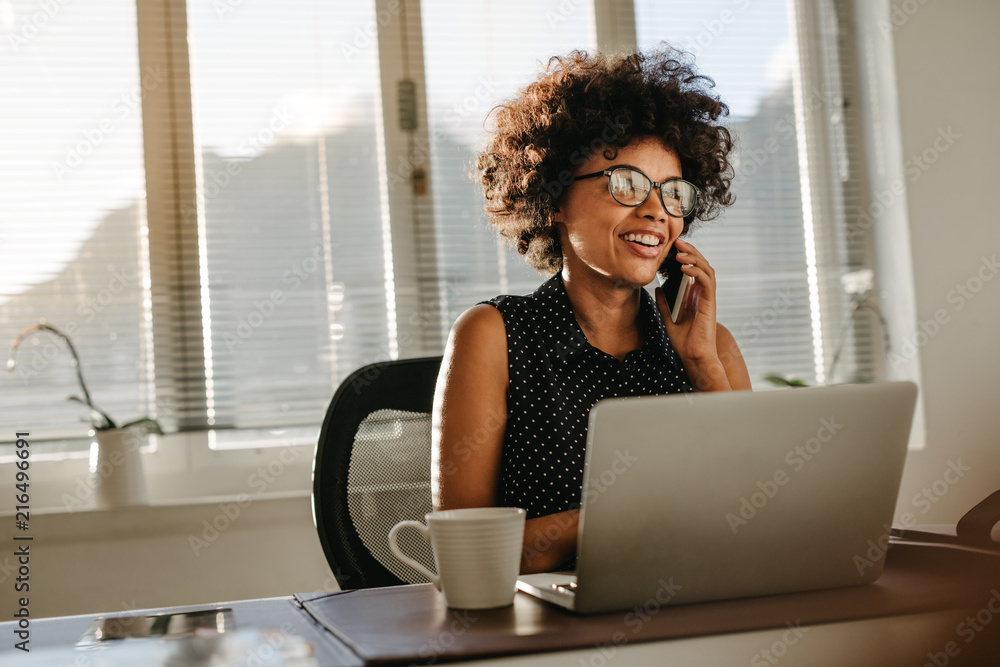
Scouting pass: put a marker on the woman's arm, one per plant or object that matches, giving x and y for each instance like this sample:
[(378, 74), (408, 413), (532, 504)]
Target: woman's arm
[(468, 425), (726, 371), (732, 359), (470, 412)]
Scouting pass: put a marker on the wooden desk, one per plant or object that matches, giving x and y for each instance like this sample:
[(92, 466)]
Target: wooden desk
[(962, 630), (900, 641)]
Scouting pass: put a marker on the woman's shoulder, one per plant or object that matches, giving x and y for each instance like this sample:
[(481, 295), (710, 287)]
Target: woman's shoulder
[(477, 346), (482, 324)]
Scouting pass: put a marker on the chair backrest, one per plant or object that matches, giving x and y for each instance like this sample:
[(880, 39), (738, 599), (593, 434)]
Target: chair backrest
[(372, 470)]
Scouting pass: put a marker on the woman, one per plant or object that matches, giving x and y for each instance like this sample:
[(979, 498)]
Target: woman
[(569, 177)]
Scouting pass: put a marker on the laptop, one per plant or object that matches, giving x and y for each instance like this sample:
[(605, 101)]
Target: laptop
[(710, 496)]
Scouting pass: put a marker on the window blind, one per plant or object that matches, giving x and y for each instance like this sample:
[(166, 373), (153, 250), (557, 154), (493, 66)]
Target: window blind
[(859, 336), (261, 259), (73, 222), (502, 46), (284, 109), (762, 248)]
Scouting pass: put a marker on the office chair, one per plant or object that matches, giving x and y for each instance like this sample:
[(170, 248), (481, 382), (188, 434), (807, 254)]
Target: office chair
[(372, 470)]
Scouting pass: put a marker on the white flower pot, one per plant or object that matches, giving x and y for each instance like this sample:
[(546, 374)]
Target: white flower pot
[(116, 473)]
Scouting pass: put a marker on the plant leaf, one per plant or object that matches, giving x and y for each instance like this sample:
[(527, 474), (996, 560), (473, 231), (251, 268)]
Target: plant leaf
[(146, 424), (785, 382), (98, 418)]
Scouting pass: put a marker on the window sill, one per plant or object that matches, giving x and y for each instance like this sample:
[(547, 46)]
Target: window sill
[(180, 470), (90, 523)]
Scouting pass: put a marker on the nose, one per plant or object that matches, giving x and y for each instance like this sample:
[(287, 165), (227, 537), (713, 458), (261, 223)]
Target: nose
[(653, 209)]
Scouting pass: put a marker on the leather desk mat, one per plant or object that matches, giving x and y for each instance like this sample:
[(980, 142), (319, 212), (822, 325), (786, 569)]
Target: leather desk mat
[(410, 624)]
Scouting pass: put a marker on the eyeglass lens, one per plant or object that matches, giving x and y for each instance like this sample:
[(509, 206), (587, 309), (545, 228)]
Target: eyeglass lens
[(631, 187)]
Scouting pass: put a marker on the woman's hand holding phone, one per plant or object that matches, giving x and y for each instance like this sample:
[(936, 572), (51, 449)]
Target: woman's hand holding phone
[(692, 330), (674, 284)]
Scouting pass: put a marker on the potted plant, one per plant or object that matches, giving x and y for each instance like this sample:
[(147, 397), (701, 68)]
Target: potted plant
[(116, 474)]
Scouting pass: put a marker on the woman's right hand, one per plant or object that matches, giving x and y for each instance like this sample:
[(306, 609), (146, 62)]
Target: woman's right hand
[(549, 541)]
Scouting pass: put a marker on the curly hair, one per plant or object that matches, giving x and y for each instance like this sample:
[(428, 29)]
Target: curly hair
[(581, 104)]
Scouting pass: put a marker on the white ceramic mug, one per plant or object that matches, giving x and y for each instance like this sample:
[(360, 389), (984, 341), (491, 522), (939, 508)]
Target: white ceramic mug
[(477, 552)]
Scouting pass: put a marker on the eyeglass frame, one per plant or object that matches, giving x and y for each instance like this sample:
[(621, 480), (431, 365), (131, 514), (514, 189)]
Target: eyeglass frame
[(653, 186)]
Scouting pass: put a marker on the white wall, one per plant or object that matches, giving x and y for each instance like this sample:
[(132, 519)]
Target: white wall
[(948, 70), (96, 561), (86, 560)]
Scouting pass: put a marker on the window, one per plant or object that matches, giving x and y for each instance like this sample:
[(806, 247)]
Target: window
[(73, 236), (285, 131), (779, 255), (504, 46), (296, 201)]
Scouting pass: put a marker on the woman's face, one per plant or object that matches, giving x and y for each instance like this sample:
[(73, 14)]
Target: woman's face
[(595, 230)]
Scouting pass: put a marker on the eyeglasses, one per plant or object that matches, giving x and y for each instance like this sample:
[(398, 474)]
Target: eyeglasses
[(631, 187)]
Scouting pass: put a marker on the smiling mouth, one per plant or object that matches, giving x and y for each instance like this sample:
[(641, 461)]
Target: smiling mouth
[(647, 240)]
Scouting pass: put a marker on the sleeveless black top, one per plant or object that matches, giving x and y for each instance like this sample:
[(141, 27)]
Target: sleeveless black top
[(556, 377)]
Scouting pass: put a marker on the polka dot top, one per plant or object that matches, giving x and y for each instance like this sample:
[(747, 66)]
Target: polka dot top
[(555, 378)]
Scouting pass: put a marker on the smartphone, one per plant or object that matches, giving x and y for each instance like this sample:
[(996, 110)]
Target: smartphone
[(674, 284)]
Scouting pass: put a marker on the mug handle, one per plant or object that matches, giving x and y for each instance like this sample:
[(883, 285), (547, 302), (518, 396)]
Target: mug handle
[(394, 548)]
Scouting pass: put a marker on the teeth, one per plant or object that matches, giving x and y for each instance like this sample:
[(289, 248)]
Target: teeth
[(644, 239)]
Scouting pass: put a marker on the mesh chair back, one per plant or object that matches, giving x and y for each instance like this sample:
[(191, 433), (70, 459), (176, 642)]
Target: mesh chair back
[(372, 470)]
